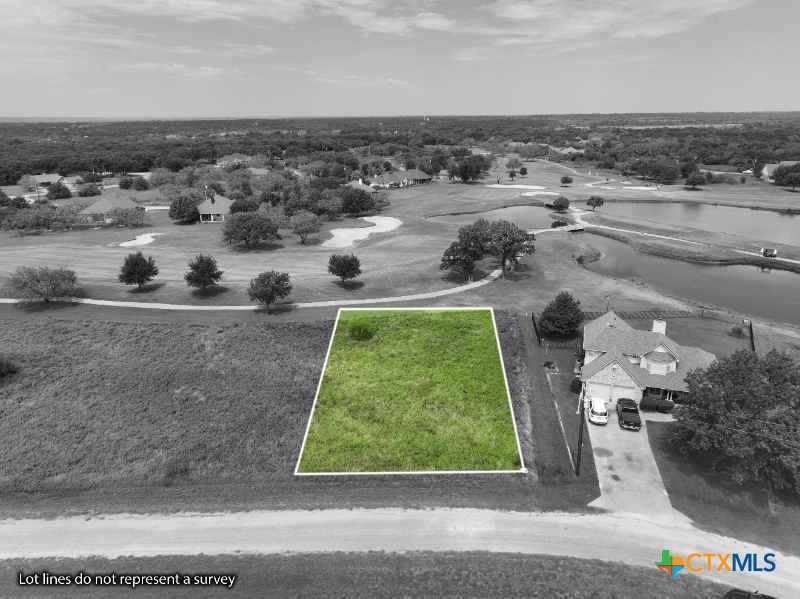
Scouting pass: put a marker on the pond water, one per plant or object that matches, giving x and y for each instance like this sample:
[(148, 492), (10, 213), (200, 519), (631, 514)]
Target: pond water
[(761, 225), (525, 217), (773, 294)]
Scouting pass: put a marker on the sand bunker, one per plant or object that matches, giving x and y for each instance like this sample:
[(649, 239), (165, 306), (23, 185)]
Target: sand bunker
[(642, 188), (143, 239), (501, 186), (343, 238), (540, 193)]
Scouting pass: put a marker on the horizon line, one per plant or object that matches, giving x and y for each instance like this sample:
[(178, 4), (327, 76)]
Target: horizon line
[(56, 119)]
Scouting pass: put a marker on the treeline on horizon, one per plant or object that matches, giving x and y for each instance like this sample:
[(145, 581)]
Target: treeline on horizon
[(740, 140)]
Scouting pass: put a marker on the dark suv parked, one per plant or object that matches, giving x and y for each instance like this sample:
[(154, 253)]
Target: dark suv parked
[(628, 414)]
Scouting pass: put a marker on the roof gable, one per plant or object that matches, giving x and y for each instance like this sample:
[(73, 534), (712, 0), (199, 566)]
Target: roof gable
[(217, 204)]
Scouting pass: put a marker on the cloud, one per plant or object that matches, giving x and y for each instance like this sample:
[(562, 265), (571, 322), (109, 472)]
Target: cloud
[(246, 50), (434, 22), (549, 21), (201, 71)]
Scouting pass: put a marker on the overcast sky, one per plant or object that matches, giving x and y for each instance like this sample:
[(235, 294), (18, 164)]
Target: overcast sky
[(204, 58)]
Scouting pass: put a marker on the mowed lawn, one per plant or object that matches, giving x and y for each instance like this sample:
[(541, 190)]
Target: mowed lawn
[(425, 393), (104, 404)]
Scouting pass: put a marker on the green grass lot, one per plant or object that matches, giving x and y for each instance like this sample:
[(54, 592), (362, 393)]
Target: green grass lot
[(426, 393), (716, 503), (374, 575)]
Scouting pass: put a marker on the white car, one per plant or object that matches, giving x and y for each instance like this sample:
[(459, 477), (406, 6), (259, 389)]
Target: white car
[(598, 413)]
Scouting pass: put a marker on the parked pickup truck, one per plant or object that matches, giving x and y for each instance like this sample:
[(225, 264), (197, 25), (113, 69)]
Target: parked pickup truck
[(769, 252), (628, 414)]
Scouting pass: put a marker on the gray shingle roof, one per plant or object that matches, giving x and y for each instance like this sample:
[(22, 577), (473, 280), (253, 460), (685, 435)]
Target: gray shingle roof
[(617, 339)]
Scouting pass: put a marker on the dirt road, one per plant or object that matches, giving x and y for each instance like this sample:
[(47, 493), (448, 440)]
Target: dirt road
[(626, 538)]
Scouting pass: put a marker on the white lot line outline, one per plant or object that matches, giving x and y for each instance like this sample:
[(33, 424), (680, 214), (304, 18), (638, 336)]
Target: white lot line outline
[(521, 470)]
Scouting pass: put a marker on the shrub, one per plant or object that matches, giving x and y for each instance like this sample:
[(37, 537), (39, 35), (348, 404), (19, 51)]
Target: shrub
[(648, 404), (58, 191), (736, 331), (561, 204), (140, 183), (42, 283), (7, 368), (361, 330), (125, 182), (576, 385), (88, 190), (558, 223), (665, 406), (566, 180)]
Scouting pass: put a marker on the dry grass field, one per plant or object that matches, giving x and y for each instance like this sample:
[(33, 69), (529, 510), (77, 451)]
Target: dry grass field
[(113, 403), (208, 414)]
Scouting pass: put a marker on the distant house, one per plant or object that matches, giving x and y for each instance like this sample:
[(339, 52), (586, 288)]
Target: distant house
[(47, 179), (72, 182), (620, 361), (104, 209), (361, 186), (214, 209), (768, 172), (400, 179), (110, 182)]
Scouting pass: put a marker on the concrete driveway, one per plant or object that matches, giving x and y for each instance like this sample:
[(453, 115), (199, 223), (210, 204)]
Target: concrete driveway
[(627, 472)]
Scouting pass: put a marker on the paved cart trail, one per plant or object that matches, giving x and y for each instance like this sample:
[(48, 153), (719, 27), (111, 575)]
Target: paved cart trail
[(492, 276), (629, 538)]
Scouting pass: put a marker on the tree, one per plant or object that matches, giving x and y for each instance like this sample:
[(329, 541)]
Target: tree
[(245, 205), (694, 180), (741, 415), (356, 201), (203, 272), (183, 209), (783, 174), (793, 179), (304, 223), (125, 182), (269, 287), (137, 270), (561, 317), (88, 190), (473, 168), (329, 204), (140, 183), (594, 202), (58, 191), (566, 180), (42, 283), (561, 204), (249, 229), (344, 266), (512, 174), (507, 241), (513, 164), (459, 258)]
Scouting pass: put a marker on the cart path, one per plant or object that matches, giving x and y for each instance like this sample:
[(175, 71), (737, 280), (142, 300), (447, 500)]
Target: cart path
[(492, 276), (633, 539), (578, 214)]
